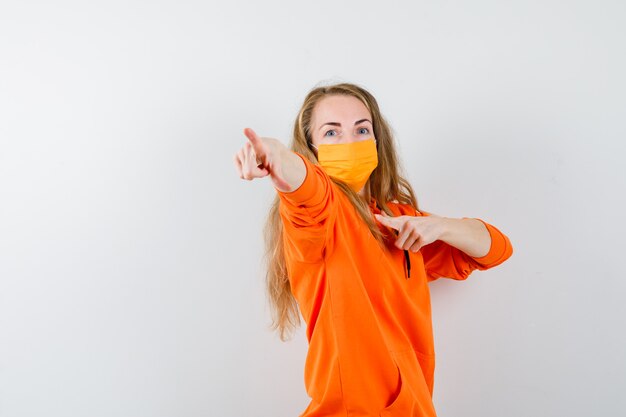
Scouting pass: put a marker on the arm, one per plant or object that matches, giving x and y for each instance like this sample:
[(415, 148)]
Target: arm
[(260, 157), (469, 235), (307, 207), (450, 248), (442, 259)]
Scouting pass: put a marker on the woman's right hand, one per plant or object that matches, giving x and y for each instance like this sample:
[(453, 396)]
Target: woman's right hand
[(260, 157)]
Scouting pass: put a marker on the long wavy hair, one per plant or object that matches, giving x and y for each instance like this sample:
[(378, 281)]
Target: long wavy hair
[(385, 184)]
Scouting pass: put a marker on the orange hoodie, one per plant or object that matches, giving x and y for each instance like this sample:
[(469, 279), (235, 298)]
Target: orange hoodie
[(369, 326)]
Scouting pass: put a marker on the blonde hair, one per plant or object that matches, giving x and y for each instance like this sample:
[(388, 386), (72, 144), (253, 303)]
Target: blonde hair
[(385, 184)]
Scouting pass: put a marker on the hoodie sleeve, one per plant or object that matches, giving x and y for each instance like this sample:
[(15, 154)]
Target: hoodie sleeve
[(444, 260), (307, 214)]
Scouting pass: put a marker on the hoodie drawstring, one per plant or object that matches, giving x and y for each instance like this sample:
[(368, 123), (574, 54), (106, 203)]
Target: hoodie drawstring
[(407, 262), (407, 259)]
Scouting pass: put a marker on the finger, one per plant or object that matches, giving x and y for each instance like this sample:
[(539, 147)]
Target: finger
[(381, 219), (256, 156), (416, 246), (245, 164), (250, 170), (238, 165), (385, 221), (245, 169), (402, 236), (250, 162), (251, 134), (250, 155), (393, 222), (256, 142), (410, 240), (405, 237)]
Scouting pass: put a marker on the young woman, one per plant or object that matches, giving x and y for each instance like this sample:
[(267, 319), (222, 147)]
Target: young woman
[(348, 246)]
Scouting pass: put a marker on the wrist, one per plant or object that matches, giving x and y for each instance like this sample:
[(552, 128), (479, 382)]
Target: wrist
[(446, 224)]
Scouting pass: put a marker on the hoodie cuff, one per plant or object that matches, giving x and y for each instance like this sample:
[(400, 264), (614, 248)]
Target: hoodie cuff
[(499, 247)]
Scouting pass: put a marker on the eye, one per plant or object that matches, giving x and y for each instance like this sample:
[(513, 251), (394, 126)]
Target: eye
[(327, 133), (364, 131)]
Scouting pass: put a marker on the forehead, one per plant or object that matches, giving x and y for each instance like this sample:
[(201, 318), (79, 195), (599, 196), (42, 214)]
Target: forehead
[(339, 108)]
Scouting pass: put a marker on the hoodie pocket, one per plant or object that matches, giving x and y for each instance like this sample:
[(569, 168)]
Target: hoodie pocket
[(414, 397), (399, 403)]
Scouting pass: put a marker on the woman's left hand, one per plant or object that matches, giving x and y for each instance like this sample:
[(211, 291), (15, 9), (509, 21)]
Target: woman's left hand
[(414, 232)]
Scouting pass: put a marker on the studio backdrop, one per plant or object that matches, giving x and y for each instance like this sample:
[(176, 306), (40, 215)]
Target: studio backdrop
[(131, 253)]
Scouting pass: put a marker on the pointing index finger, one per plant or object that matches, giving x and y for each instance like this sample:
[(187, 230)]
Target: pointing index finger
[(393, 222), (254, 139)]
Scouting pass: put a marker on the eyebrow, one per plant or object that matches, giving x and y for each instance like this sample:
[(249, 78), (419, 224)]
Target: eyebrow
[(339, 124)]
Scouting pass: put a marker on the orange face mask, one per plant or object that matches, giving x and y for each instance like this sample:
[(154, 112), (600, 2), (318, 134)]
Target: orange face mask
[(351, 163)]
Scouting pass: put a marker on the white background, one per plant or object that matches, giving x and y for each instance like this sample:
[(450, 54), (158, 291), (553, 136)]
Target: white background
[(131, 275)]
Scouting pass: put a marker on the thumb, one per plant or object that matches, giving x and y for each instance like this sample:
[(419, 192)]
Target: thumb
[(278, 178)]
